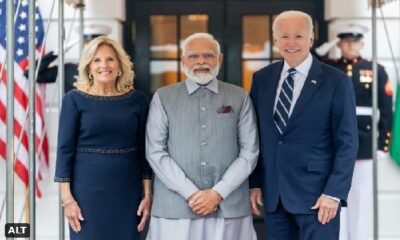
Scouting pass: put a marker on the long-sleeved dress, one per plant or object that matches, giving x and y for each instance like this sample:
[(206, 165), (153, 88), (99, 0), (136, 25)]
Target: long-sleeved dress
[(101, 153)]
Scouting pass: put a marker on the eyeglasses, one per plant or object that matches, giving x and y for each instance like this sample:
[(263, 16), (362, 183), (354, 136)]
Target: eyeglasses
[(195, 56)]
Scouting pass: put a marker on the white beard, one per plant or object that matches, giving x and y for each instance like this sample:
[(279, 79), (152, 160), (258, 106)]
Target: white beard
[(201, 78)]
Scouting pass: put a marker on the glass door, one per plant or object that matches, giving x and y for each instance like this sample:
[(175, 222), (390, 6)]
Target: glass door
[(250, 44), (167, 34), (158, 31), (243, 28)]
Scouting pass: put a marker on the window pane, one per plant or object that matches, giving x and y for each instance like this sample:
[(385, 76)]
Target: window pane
[(256, 37), (248, 68), (193, 23), (275, 51), (163, 73), (163, 36)]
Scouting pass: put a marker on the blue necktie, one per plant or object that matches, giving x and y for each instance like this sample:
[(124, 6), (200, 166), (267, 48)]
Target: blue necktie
[(281, 115)]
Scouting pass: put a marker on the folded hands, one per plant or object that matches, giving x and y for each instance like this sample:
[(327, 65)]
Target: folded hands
[(204, 202)]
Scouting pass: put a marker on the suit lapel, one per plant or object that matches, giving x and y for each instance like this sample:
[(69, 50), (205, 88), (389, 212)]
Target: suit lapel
[(311, 85), (270, 90)]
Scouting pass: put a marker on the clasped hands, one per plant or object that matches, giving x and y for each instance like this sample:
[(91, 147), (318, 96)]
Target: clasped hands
[(204, 202)]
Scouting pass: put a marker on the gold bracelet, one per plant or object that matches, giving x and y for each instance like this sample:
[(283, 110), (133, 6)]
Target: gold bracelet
[(148, 194), (64, 204)]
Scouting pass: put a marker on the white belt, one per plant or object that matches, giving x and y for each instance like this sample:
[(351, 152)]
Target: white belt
[(366, 111)]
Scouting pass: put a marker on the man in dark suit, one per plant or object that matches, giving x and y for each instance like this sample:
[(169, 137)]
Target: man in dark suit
[(308, 137)]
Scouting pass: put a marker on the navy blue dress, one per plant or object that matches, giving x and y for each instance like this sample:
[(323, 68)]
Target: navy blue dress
[(101, 151)]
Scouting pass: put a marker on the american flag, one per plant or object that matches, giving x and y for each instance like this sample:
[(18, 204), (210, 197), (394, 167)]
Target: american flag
[(21, 95)]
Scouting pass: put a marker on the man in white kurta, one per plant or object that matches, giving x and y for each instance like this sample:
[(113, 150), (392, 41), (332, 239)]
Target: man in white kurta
[(202, 144)]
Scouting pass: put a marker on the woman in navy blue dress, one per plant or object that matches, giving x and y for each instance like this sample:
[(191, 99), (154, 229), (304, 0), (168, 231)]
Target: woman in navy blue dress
[(104, 178)]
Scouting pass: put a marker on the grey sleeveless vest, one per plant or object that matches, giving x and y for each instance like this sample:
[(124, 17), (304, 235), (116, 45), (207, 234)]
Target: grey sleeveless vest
[(203, 141)]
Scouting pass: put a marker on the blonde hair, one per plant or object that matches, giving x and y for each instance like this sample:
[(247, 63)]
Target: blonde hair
[(124, 82), (293, 14)]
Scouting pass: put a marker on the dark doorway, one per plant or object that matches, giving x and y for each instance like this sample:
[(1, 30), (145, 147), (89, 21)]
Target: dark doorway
[(154, 30)]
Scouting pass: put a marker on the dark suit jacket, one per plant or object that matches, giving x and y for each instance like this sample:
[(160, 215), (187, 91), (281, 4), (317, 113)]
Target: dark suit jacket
[(317, 151)]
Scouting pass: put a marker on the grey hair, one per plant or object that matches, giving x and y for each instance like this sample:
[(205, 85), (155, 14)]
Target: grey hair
[(200, 35), (293, 14)]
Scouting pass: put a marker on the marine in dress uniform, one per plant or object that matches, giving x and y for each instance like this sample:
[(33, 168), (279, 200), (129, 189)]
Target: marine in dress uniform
[(350, 41)]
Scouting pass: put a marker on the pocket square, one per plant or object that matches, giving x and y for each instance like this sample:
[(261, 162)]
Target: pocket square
[(225, 109)]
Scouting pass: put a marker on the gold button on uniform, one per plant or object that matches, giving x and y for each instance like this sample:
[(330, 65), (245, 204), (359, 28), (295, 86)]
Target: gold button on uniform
[(386, 148)]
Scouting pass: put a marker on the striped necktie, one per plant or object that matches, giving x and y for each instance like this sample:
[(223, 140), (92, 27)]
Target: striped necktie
[(281, 115)]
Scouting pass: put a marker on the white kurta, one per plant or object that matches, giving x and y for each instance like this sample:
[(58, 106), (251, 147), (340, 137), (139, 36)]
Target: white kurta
[(202, 229)]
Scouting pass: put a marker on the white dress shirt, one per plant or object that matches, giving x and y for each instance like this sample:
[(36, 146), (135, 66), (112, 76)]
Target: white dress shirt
[(299, 79)]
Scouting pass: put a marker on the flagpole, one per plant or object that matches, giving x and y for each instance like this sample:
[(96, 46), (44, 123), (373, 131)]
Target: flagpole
[(375, 120), (71, 26), (43, 44), (81, 7), (32, 118), (61, 78), (10, 113), (27, 112), (25, 209), (1, 74)]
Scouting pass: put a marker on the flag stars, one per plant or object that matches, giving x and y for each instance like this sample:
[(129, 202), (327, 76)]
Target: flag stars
[(19, 52), (22, 15), (24, 3), (21, 40), (22, 27)]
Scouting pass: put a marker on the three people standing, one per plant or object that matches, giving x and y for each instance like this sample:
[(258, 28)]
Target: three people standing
[(202, 142)]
